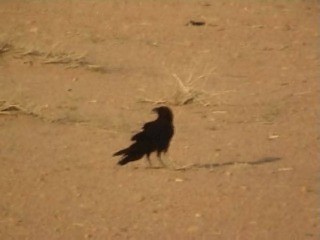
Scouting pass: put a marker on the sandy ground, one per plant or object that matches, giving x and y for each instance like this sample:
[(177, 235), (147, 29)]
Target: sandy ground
[(78, 78)]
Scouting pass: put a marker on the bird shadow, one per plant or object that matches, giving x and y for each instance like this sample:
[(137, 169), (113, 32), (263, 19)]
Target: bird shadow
[(215, 165)]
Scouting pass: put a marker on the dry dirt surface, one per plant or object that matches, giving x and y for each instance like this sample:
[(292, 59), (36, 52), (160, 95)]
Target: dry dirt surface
[(78, 78)]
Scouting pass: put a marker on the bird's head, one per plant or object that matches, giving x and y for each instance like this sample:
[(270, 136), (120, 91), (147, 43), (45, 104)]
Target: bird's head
[(164, 113)]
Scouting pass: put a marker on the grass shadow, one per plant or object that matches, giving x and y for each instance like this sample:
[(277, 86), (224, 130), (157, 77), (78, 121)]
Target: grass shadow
[(214, 165)]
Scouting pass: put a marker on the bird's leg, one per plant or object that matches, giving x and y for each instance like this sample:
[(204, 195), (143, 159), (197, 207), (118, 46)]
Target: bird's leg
[(160, 160), (169, 161), (148, 160)]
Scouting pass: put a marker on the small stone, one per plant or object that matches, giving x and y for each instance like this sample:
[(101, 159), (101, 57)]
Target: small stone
[(273, 136), (179, 180)]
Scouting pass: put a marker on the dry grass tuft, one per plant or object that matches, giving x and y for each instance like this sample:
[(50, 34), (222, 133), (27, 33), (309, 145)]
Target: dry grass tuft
[(14, 109), (68, 59), (188, 91), (5, 47)]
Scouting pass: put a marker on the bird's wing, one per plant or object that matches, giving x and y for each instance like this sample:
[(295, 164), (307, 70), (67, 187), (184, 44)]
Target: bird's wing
[(148, 132)]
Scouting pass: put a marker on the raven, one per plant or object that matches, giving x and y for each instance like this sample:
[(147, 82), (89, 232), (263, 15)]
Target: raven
[(154, 137)]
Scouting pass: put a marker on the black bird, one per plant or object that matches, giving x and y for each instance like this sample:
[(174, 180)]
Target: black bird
[(154, 137)]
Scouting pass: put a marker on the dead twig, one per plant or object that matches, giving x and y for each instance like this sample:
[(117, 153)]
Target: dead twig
[(155, 102)]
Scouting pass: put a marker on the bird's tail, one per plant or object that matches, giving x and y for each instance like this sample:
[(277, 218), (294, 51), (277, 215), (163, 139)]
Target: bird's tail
[(130, 157), (121, 152), (132, 153), (124, 161)]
